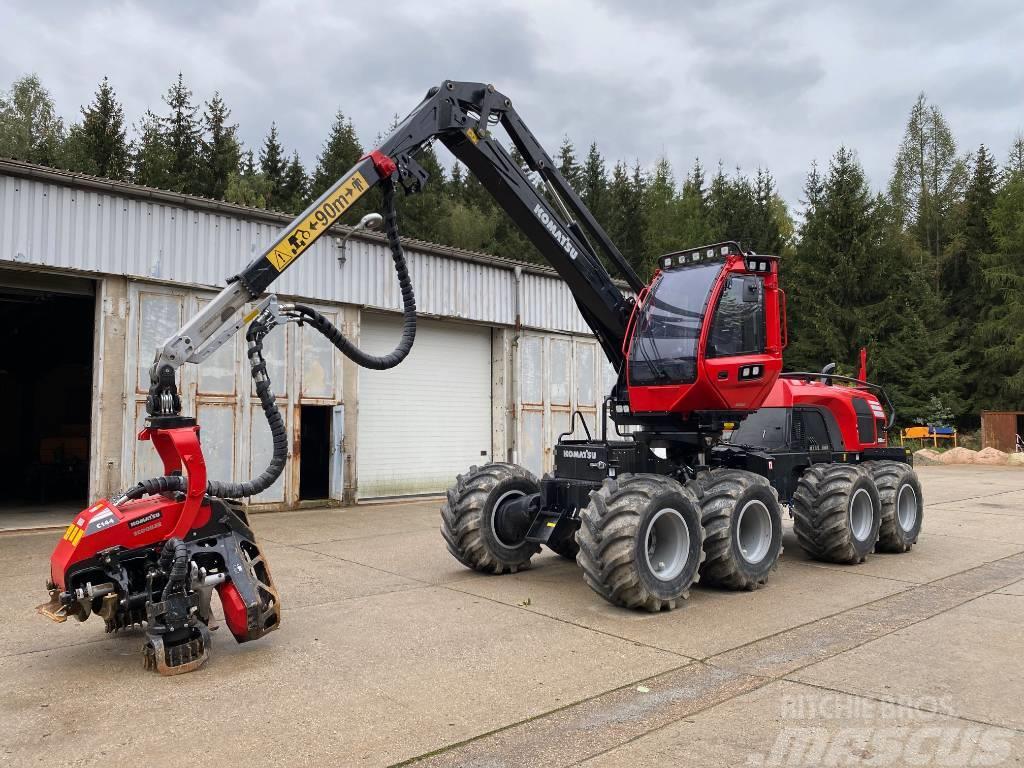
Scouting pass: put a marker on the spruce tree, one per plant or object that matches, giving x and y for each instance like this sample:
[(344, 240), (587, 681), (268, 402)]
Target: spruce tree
[(769, 216), (294, 193), (963, 281), (340, 152), (222, 151), (840, 227), (455, 189), (182, 132), (910, 345), (693, 210), (626, 215), (732, 210), (272, 166), (999, 340), (30, 128), (99, 145), (1015, 162), (594, 183), (568, 166), (247, 186), (661, 211), (151, 160)]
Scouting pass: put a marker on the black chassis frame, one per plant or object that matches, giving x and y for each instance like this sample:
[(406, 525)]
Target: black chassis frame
[(582, 466)]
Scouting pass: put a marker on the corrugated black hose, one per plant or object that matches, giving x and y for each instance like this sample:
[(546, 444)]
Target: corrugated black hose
[(254, 336), (257, 330), (174, 556), (334, 335)]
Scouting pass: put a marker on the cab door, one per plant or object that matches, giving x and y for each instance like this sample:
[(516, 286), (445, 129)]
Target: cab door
[(742, 359)]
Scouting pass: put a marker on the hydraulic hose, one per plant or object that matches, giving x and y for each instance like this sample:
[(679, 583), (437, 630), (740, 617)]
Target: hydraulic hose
[(174, 556), (279, 457), (258, 329), (335, 336)]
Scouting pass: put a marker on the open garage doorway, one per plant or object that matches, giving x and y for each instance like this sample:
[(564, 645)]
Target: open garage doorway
[(46, 376)]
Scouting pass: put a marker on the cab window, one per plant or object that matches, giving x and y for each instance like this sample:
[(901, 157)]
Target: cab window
[(738, 327)]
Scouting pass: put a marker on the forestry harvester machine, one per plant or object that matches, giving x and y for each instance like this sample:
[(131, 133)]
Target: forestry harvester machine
[(717, 435)]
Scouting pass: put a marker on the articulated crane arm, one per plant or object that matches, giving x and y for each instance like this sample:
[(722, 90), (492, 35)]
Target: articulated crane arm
[(461, 116)]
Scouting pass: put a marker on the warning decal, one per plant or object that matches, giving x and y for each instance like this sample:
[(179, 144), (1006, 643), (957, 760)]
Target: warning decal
[(302, 235), (73, 534)]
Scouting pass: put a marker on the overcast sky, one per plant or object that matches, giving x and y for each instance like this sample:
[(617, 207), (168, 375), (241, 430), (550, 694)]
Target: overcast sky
[(774, 84)]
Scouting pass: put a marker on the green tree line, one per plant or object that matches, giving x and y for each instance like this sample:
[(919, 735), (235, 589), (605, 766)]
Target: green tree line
[(926, 272)]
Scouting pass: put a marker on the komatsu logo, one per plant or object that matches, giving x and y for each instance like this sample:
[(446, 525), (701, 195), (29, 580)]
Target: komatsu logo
[(144, 519), (578, 454), (555, 230)]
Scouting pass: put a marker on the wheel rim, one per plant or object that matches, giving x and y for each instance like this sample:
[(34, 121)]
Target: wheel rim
[(862, 512), (906, 508), (667, 545), (754, 531), (505, 498)]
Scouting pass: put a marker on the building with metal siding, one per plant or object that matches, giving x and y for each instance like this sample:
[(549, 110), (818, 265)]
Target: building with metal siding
[(66, 221), (153, 256)]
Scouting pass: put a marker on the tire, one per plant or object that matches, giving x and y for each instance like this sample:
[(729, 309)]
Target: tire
[(623, 518), (837, 512), (467, 518), (742, 529), (902, 505), (567, 548)]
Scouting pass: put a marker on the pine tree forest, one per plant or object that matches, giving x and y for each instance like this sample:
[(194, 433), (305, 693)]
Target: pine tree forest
[(925, 268)]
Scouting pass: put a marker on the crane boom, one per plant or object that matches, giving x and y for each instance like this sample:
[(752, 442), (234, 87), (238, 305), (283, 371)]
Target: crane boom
[(462, 116)]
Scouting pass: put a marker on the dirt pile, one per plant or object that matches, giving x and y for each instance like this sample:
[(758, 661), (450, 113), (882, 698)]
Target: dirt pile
[(959, 456), (926, 457), (991, 456)]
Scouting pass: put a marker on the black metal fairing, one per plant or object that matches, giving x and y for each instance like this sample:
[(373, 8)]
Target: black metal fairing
[(581, 466)]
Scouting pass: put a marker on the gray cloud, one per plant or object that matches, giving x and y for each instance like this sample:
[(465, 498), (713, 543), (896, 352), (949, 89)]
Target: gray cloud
[(753, 83)]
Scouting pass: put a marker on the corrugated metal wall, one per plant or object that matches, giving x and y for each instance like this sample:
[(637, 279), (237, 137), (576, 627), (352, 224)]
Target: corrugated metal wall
[(51, 222)]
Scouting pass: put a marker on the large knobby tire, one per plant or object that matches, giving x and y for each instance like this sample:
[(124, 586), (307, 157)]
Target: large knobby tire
[(640, 541), (837, 512), (902, 505), (467, 518), (742, 529)]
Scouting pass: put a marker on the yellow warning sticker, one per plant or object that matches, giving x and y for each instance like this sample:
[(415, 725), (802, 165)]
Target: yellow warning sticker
[(73, 534), (294, 242)]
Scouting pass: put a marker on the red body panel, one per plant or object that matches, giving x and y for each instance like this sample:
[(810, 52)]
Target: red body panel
[(710, 392), (788, 393), (235, 614), (145, 522)]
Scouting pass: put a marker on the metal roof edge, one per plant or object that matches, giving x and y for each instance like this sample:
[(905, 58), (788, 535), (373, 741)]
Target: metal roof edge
[(22, 169)]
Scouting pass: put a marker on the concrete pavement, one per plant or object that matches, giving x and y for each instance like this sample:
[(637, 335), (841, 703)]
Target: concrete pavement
[(390, 651)]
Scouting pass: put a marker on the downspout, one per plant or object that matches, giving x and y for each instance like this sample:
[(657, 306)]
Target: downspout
[(513, 434)]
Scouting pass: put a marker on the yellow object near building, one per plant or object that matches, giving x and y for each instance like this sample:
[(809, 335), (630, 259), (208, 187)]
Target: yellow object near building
[(928, 433)]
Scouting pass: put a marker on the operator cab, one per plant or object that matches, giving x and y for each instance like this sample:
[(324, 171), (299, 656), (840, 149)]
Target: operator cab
[(708, 332)]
